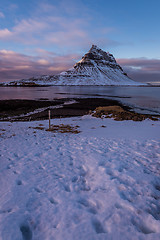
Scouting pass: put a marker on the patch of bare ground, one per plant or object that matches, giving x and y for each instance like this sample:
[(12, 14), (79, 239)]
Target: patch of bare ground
[(13, 109), (64, 129), (2, 131), (17, 107), (119, 114), (59, 128), (39, 128)]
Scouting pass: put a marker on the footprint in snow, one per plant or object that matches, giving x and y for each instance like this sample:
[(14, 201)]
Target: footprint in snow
[(90, 206), (157, 187), (67, 188), (74, 179), (38, 190), (6, 211), (53, 201), (19, 182), (26, 232), (97, 226)]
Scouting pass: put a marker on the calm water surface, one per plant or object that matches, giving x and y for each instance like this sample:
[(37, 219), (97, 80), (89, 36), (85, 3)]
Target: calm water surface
[(143, 99)]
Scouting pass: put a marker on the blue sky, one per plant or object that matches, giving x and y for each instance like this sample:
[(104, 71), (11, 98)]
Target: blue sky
[(46, 36)]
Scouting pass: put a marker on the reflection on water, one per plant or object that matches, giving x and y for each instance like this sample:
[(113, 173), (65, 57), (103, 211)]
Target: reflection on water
[(147, 98)]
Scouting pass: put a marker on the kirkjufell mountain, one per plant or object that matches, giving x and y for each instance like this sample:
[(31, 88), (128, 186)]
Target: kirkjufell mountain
[(96, 67)]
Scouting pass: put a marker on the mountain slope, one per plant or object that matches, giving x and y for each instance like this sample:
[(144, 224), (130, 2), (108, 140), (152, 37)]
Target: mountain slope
[(96, 67)]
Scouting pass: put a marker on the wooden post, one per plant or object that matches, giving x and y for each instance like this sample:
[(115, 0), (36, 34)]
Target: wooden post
[(49, 116)]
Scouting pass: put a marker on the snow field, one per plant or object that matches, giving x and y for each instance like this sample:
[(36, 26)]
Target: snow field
[(102, 183)]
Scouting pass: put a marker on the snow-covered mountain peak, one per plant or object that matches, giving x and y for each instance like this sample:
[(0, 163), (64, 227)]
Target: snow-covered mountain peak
[(97, 56), (96, 67), (99, 53)]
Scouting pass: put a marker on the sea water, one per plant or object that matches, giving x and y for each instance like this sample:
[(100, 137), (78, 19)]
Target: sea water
[(142, 99)]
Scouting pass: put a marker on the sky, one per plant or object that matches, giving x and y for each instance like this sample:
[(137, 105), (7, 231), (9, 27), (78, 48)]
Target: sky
[(41, 37)]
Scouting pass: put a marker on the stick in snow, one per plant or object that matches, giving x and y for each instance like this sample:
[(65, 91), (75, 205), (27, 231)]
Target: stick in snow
[(49, 116)]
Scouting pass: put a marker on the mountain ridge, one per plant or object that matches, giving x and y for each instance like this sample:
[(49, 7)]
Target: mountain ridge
[(96, 67)]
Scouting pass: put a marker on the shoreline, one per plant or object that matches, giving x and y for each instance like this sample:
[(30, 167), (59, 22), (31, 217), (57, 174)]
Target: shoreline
[(35, 110)]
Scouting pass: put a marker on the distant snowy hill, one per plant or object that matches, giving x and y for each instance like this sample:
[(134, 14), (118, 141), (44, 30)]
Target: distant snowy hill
[(96, 67)]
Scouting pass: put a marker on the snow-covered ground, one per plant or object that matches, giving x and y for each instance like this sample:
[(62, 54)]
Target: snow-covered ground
[(102, 183)]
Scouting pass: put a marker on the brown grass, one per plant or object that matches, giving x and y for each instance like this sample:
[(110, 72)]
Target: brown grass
[(59, 128), (64, 129), (111, 109), (39, 128), (119, 114), (3, 130)]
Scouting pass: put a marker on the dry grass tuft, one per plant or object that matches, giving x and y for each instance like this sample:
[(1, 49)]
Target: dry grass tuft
[(2, 133), (59, 128), (119, 114), (39, 128), (64, 129), (3, 130), (110, 109)]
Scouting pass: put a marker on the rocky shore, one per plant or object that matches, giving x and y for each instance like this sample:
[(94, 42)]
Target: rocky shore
[(32, 110)]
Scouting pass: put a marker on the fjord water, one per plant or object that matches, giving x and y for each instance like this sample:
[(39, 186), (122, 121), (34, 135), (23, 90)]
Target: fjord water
[(142, 99)]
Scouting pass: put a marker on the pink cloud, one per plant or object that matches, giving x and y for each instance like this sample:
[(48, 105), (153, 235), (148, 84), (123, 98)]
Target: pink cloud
[(142, 64), (64, 26), (5, 33), (46, 30), (29, 26), (142, 69), (14, 66)]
